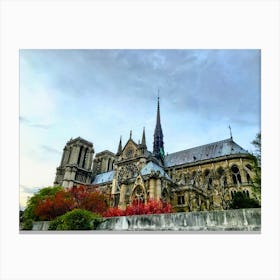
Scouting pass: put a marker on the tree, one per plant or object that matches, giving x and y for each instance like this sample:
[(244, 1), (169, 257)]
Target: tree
[(41, 195), (256, 159), (95, 202), (52, 207), (257, 143), (240, 201), (91, 200), (52, 202)]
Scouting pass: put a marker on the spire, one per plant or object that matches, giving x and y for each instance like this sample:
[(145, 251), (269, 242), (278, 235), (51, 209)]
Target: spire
[(130, 135), (230, 132), (143, 138), (120, 147), (158, 113), (158, 149)]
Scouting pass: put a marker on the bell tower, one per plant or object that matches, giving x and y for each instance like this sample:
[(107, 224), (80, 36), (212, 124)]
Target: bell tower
[(76, 163)]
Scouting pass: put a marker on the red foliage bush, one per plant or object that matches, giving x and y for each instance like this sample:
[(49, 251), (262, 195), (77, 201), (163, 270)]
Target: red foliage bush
[(52, 207), (136, 208), (69, 199), (80, 197), (95, 202)]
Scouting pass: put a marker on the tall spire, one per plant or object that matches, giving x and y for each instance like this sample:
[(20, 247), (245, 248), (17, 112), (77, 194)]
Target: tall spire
[(158, 149), (158, 113), (120, 147)]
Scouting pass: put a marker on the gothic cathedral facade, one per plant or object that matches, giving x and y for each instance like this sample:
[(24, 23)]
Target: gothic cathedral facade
[(197, 179)]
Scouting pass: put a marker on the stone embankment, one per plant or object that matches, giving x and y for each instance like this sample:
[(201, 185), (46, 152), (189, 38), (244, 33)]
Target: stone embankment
[(229, 220)]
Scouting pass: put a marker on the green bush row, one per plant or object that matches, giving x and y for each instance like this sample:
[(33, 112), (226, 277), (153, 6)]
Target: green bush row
[(76, 219)]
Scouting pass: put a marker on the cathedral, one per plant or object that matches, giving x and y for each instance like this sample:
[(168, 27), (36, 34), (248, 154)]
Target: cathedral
[(196, 179)]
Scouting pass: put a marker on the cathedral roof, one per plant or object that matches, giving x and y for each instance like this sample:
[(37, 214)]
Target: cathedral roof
[(151, 166), (208, 151), (104, 177)]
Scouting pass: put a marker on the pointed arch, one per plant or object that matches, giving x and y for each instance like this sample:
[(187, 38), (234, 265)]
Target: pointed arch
[(138, 194)]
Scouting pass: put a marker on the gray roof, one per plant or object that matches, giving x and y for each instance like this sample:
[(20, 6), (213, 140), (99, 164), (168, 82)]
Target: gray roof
[(104, 178), (151, 166), (208, 151)]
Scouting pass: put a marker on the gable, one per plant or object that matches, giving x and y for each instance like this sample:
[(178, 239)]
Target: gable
[(129, 150)]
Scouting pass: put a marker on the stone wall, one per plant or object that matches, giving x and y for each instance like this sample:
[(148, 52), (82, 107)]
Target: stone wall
[(230, 220)]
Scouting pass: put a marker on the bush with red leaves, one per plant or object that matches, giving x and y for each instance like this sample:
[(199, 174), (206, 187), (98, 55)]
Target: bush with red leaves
[(50, 207), (139, 208)]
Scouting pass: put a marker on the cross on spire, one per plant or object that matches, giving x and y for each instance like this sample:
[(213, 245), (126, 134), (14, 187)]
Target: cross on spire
[(230, 132)]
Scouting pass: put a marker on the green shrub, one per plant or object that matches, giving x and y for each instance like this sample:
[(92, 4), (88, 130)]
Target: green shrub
[(76, 219), (56, 224), (28, 224)]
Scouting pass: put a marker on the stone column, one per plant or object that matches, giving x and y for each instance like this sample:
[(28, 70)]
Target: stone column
[(66, 157), (114, 186), (152, 184), (88, 159), (158, 189), (122, 203), (63, 156), (67, 174), (103, 165), (242, 172), (73, 173), (228, 176)]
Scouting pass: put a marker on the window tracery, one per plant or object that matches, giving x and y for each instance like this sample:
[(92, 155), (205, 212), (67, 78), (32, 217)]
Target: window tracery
[(235, 173), (138, 195)]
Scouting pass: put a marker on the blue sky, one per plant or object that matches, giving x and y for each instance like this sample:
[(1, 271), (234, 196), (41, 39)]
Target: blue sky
[(101, 95)]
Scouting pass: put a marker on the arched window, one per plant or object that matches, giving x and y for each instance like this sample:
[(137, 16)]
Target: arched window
[(220, 171), (248, 178), (208, 179), (236, 177), (193, 174), (222, 176), (233, 193), (85, 157), (249, 166), (109, 165), (193, 178), (181, 199), (138, 195), (79, 157)]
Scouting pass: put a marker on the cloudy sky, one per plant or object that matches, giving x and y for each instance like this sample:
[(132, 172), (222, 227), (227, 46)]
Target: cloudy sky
[(101, 95)]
